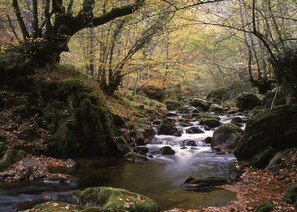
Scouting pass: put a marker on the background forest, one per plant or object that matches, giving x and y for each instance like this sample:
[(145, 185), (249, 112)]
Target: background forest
[(184, 45)]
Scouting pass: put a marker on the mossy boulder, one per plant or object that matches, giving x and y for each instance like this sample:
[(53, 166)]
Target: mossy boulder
[(247, 101), (210, 122), (266, 206), (201, 103), (167, 127), (194, 130), (276, 128), (167, 150), (291, 195), (216, 108), (79, 121), (225, 137), (114, 199)]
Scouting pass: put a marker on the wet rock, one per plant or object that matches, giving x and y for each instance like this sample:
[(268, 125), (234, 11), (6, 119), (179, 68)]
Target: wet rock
[(194, 130), (201, 103), (237, 121), (210, 122), (225, 137), (167, 127), (142, 135), (56, 179), (114, 199), (208, 140), (188, 142), (167, 150), (172, 105), (247, 101), (157, 121), (204, 183), (171, 114), (135, 157)]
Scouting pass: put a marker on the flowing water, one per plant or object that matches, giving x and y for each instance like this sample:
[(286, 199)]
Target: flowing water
[(159, 178)]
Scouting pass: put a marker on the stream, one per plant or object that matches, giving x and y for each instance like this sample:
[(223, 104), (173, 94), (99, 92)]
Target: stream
[(160, 178)]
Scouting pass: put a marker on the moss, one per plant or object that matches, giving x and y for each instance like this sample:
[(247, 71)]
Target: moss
[(113, 199), (215, 108), (55, 207), (266, 206), (11, 156), (291, 195), (88, 130)]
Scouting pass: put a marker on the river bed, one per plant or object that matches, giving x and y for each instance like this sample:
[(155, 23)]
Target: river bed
[(160, 178)]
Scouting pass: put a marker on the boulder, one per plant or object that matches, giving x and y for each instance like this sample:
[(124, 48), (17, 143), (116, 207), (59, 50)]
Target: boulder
[(247, 101), (276, 128), (201, 103), (210, 122), (262, 157), (172, 105), (237, 121), (225, 137), (208, 140), (114, 199), (194, 130), (216, 108), (167, 150), (167, 127), (203, 183)]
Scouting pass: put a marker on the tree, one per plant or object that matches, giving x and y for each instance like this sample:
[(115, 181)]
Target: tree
[(56, 24)]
